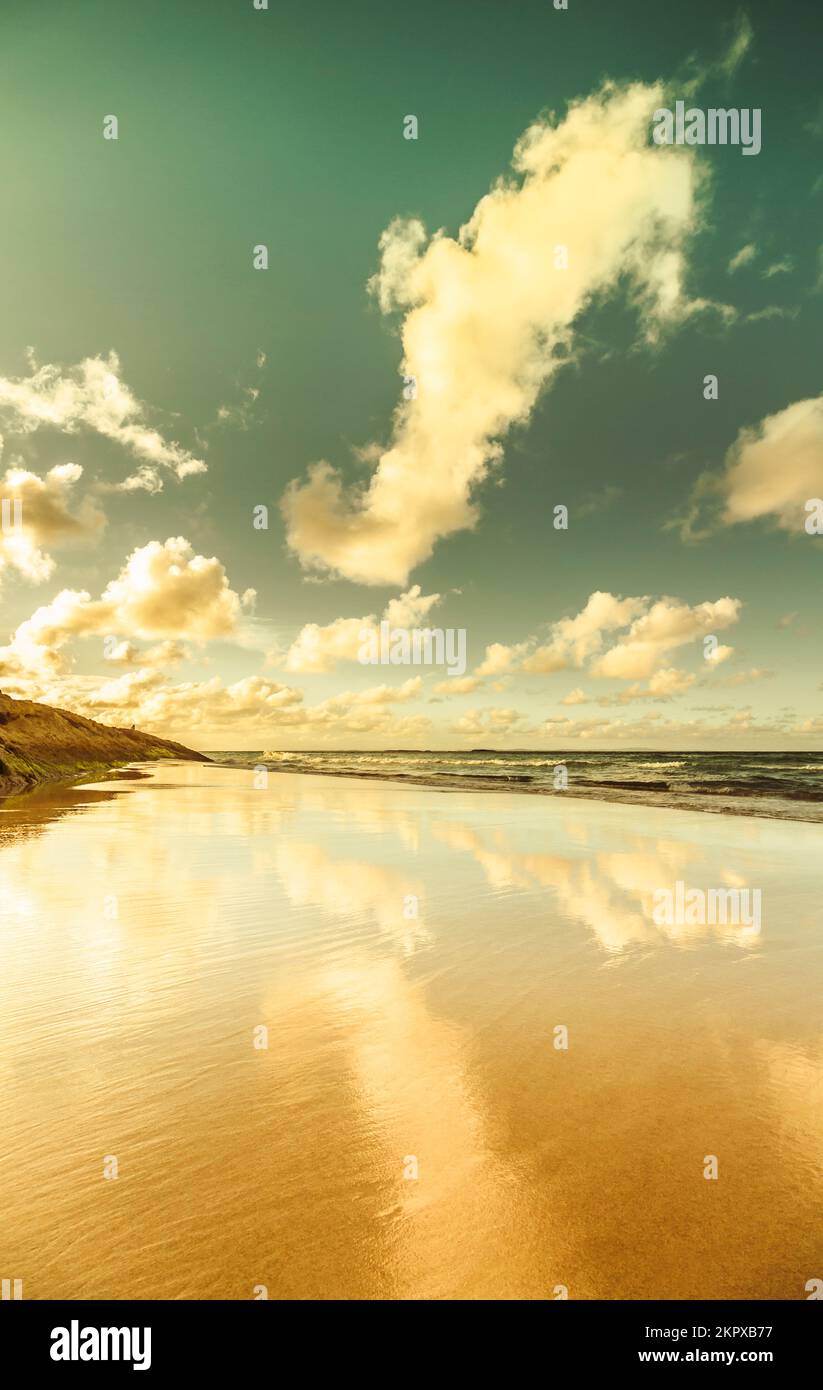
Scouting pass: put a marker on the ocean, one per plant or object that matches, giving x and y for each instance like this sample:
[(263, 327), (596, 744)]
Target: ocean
[(784, 786)]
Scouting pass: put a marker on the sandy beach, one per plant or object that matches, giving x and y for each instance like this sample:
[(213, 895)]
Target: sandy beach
[(316, 1026)]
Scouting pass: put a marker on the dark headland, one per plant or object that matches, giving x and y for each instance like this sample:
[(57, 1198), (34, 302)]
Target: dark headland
[(40, 744)]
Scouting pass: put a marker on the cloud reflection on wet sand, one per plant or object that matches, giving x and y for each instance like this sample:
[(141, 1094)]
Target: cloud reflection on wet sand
[(393, 1035)]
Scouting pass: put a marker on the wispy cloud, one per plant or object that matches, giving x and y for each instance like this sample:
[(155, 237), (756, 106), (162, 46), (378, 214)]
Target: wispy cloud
[(92, 396), (744, 256)]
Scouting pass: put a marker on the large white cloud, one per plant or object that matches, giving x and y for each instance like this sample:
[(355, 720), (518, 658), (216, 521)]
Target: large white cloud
[(489, 317), (163, 591)]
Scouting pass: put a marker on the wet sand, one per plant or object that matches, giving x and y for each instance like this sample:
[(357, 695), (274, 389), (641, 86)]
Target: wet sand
[(410, 1130)]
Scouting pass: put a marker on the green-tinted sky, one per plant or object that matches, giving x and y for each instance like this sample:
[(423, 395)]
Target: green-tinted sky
[(284, 127)]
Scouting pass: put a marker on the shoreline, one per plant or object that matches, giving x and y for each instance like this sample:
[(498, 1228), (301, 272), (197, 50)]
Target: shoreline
[(24, 784), (11, 789), (781, 809)]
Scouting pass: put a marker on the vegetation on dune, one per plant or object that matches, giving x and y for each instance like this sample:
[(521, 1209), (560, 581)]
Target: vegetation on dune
[(41, 744)]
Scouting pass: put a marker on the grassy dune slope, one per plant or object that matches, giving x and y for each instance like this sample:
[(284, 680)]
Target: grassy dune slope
[(41, 744)]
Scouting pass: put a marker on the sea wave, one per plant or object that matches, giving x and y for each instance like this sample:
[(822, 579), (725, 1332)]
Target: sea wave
[(784, 785)]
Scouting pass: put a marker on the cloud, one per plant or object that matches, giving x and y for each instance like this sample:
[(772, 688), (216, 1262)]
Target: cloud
[(488, 721), (147, 700), (165, 590), (667, 624), (599, 501), (736, 678), (739, 45), (162, 591), (652, 629), (667, 682), (744, 256), (576, 639), (461, 685), (772, 311), (318, 649), (165, 654), (93, 396), (663, 686), (45, 517), (374, 695), (500, 658), (575, 697), (724, 67), (410, 609), (784, 267), (489, 319), (718, 655), (201, 713), (774, 468), (241, 415)]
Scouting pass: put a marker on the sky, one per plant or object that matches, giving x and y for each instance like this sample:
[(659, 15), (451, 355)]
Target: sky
[(272, 372)]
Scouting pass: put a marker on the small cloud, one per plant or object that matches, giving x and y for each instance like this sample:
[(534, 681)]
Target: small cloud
[(718, 655), (739, 46), (784, 267), (736, 678), (459, 685), (773, 311), (599, 501), (744, 256), (241, 415), (411, 608)]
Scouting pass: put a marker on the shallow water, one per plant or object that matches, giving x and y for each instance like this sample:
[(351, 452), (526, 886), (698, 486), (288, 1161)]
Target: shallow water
[(150, 928)]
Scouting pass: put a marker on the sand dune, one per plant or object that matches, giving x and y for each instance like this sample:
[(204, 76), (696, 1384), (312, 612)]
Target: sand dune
[(41, 744)]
